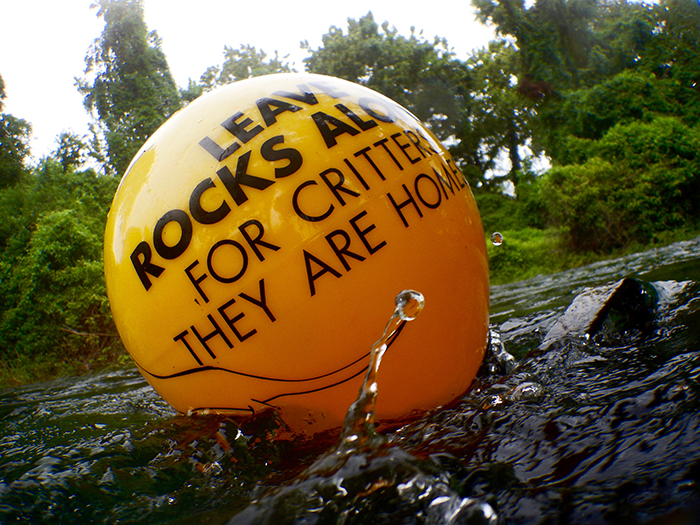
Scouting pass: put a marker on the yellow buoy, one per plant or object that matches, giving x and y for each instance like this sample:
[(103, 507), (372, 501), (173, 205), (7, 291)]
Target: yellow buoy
[(258, 239)]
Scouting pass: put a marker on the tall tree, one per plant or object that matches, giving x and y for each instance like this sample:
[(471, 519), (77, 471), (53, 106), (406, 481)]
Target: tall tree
[(130, 90), (673, 53), (554, 38), (421, 75), (14, 144), (585, 64), (497, 118), (241, 63), (71, 152)]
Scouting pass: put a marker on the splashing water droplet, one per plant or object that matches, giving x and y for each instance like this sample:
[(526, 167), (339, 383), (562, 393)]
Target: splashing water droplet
[(497, 238), (358, 429), (409, 304)]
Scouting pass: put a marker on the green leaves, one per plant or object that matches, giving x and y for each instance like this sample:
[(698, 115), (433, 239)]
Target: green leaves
[(14, 144), (241, 63), (640, 179), (421, 75), (53, 303), (130, 88)]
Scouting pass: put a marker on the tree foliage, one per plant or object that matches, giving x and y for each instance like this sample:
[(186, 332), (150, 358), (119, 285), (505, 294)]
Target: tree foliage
[(130, 89), (640, 179), (72, 151), (421, 75), (14, 144), (497, 118), (53, 303), (241, 63), (472, 106), (614, 94)]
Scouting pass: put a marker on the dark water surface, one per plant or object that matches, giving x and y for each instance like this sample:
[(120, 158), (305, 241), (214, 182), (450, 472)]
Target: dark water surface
[(602, 429)]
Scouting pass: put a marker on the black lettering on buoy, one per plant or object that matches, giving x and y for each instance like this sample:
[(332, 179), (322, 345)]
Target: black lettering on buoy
[(431, 205), (257, 241), (244, 261), (324, 122), (342, 251), (217, 151), (268, 114), (363, 152), (181, 337), (455, 171), (199, 214), (366, 104), (216, 331), (357, 174), (364, 125), (382, 143), (445, 181), (141, 259), (362, 234), (404, 147), (424, 150), (262, 302), (297, 209), (271, 154), (449, 179), (195, 281), (305, 95), (172, 252), (232, 322), (311, 276), (399, 207), (328, 88), (233, 184), (338, 186), (238, 129)]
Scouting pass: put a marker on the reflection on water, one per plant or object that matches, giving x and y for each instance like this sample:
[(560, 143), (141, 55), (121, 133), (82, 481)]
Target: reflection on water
[(602, 429)]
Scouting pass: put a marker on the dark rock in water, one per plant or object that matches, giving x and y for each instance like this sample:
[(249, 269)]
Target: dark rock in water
[(614, 308), (609, 314)]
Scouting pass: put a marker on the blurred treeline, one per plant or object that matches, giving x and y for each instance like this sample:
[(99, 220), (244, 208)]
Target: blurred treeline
[(578, 129)]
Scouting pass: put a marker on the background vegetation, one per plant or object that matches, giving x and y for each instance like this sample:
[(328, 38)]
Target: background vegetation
[(578, 129)]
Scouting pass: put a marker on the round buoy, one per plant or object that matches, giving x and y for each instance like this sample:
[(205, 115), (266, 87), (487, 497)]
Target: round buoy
[(256, 244)]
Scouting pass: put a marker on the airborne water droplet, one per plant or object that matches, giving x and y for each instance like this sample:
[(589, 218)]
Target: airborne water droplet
[(497, 238), (409, 304)]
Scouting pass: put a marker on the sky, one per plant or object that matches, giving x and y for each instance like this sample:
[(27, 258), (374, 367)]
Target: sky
[(43, 43)]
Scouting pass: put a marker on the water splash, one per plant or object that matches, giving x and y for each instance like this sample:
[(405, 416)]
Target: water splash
[(364, 474), (497, 238), (358, 429)]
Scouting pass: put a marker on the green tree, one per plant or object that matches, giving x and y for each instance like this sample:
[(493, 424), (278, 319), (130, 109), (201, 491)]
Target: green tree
[(421, 75), (639, 179), (130, 90), (14, 144), (564, 47), (497, 117), (54, 312), (673, 53), (191, 92), (239, 64), (71, 152)]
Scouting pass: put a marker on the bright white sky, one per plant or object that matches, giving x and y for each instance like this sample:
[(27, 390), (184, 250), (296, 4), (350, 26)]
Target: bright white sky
[(43, 43)]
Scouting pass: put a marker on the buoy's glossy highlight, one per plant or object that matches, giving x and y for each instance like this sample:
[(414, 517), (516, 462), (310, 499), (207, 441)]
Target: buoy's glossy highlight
[(257, 241)]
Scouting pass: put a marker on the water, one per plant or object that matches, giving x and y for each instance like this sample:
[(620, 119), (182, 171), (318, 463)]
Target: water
[(602, 429), (359, 426)]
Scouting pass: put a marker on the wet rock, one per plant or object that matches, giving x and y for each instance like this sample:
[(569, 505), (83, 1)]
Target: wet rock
[(603, 311)]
